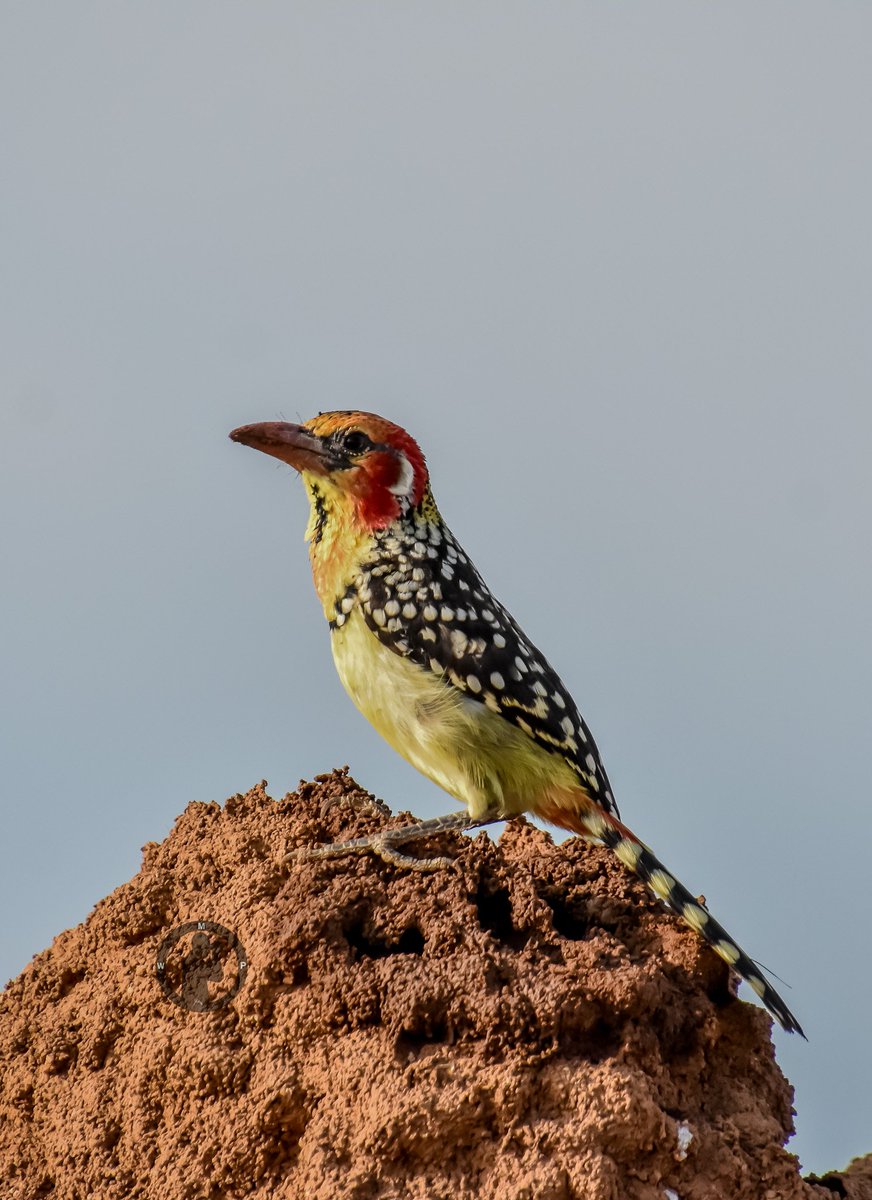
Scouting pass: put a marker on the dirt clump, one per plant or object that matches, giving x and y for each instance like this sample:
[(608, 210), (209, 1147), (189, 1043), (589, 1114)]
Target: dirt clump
[(855, 1182), (528, 1024)]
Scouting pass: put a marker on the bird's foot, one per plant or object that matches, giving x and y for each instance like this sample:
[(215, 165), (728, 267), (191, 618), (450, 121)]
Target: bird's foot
[(385, 843)]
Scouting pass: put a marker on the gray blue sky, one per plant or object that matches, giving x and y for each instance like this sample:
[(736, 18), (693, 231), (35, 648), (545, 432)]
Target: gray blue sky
[(611, 264)]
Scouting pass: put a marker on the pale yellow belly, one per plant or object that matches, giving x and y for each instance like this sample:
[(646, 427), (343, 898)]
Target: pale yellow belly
[(473, 753)]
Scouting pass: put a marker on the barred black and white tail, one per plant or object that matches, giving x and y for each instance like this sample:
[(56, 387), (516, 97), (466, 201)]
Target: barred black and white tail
[(644, 863)]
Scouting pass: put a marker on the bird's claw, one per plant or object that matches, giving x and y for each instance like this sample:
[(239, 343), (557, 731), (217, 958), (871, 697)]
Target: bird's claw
[(385, 844)]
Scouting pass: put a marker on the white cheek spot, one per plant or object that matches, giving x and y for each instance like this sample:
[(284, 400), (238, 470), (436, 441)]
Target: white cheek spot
[(498, 681), (406, 482), (472, 682)]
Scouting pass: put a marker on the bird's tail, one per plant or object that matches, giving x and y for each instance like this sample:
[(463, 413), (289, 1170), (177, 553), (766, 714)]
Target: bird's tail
[(643, 862)]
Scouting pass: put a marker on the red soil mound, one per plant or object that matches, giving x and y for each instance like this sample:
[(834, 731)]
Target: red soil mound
[(527, 1024)]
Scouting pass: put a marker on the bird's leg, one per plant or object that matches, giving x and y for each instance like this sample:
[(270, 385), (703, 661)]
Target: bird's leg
[(384, 844)]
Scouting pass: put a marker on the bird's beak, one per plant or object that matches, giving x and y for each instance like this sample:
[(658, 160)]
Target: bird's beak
[(291, 443)]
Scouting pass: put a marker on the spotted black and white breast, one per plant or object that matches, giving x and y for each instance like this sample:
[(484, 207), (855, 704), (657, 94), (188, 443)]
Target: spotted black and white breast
[(421, 595)]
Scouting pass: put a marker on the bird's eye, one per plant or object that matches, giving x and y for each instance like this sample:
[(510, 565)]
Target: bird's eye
[(355, 442)]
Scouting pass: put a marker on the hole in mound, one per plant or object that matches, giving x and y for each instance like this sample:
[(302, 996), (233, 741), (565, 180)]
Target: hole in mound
[(411, 941), (594, 1044), (69, 978), (719, 990), (300, 974), (834, 1184), (568, 917), (494, 908), (411, 1042)]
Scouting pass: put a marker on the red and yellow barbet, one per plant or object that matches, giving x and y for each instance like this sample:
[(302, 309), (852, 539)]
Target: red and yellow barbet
[(442, 670)]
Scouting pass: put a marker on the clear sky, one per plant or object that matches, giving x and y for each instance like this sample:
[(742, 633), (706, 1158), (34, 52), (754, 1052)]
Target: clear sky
[(611, 264)]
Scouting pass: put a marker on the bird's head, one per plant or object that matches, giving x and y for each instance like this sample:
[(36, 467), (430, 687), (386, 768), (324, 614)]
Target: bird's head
[(357, 467)]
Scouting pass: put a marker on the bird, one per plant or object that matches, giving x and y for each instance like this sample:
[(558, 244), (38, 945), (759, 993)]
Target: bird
[(443, 671)]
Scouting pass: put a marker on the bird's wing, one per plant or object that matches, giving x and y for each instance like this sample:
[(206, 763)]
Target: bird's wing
[(422, 596)]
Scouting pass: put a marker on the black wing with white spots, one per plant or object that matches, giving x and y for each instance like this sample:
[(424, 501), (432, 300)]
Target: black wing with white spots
[(422, 597)]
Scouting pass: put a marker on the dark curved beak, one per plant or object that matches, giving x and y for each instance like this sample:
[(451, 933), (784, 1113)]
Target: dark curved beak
[(291, 443)]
